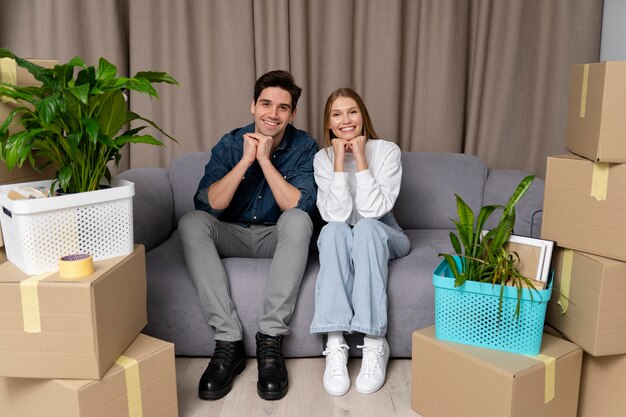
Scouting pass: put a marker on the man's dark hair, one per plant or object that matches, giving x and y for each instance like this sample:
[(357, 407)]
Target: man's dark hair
[(279, 78)]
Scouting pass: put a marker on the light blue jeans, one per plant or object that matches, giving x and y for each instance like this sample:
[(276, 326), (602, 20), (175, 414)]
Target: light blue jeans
[(351, 288)]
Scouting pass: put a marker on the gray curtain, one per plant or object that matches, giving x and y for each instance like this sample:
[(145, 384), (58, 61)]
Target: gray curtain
[(486, 77)]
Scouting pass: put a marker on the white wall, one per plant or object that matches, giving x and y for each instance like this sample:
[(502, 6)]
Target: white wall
[(613, 44)]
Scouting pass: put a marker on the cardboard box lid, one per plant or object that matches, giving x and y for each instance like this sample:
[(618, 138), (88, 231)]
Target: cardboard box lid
[(11, 274), (604, 87), (510, 364)]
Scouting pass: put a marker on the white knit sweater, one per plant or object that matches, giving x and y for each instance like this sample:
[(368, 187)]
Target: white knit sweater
[(350, 196)]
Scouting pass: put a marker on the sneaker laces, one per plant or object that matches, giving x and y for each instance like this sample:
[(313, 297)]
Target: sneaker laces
[(370, 364), (336, 356)]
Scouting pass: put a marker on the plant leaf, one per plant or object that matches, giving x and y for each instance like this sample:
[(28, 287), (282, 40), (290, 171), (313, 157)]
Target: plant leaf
[(134, 116), (106, 70), (81, 92), (142, 85), (456, 244), (519, 192), (156, 77), (148, 139), (113, 114)]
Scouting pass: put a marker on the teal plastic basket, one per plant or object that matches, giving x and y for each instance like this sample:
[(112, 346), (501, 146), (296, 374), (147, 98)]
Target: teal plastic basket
[(468, 314)]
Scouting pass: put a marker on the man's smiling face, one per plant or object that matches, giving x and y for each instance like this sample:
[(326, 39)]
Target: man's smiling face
[(272, 112)]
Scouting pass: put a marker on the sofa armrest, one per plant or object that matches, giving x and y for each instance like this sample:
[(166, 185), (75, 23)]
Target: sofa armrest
[(500, 186), (153, 205)]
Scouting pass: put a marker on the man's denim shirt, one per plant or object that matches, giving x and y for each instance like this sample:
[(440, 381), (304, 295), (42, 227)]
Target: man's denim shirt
[(253, 202)]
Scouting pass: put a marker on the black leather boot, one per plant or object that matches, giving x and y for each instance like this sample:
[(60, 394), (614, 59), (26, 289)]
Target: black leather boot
[(273, 380), (228, 360)]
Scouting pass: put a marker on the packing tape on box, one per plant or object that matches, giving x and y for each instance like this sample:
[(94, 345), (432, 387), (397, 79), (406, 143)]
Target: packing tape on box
[(133, 385), (77, 265), (583, 94), (29, 293), (8, 74), (566, 279), (549, 375), (600, 180)]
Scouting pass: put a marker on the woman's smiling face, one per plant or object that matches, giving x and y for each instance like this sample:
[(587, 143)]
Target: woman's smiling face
[(346, 119)]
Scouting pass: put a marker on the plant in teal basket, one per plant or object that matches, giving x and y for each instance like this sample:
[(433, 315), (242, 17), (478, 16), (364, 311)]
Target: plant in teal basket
[(483, 255), (77, 120)]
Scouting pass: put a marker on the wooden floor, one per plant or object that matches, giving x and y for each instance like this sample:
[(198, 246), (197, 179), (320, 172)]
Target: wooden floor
[(306, 396)]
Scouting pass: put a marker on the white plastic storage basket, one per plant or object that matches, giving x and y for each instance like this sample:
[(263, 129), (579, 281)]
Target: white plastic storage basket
[(38, 232)]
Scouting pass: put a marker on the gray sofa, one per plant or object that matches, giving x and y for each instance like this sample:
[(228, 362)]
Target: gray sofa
[(424, 209)]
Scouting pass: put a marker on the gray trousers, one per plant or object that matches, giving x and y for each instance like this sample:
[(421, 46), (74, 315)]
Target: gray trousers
[(206, 240)]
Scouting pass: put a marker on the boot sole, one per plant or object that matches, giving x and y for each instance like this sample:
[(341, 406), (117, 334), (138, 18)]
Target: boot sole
[(217, 394)]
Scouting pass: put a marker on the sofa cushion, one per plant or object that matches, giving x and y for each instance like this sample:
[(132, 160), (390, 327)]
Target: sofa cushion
[(152, 205), (429, 182), (186, 171)]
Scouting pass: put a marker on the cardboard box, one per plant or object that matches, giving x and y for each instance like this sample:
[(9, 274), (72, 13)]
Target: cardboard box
[(452, 380), (60, 328), (584, 206), (595, 291), (154, 389), (603, 386), (13, 74), (596, 115)]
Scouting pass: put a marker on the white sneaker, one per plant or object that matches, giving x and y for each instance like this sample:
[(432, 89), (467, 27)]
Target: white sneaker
[(336, 378), (374, 365)]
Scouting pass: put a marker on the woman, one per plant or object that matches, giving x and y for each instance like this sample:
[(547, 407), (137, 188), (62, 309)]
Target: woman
[(358, 178)]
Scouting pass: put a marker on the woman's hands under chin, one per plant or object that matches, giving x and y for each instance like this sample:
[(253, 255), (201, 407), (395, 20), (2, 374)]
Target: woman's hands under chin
[(340, 147), (356, 146)]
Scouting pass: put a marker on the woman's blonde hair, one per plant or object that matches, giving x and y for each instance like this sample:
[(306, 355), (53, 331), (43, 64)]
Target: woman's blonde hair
[(368, 128)]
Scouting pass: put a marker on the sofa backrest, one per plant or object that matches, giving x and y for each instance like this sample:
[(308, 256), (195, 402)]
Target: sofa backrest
[(186, 171), (426, 200), (429, 183)]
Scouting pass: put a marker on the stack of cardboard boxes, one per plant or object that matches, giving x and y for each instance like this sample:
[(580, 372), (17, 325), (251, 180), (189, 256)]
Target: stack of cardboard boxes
[(585, 214), (73, 347), (451, 379)]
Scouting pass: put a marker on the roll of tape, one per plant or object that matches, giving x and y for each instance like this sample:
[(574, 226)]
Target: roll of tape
[(76, 266)]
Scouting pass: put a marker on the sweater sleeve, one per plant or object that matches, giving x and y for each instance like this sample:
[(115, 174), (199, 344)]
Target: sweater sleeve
[(377, 188), (333, 193)]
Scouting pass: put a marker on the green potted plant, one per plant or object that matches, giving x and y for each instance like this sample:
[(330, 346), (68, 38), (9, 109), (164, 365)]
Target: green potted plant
[(483, 256), (77, 120), (482, 291)]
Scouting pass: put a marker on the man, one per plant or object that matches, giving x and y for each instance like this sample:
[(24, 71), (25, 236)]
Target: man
[(254, 200)]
